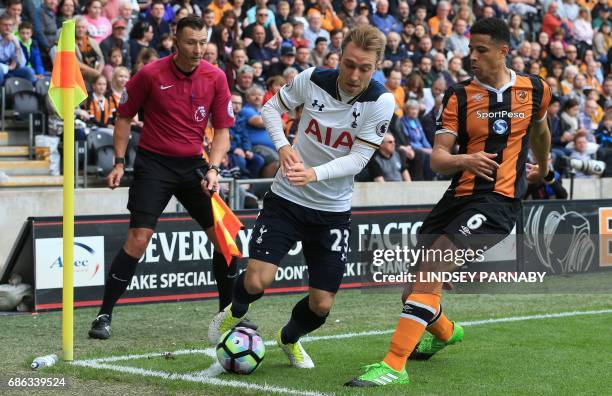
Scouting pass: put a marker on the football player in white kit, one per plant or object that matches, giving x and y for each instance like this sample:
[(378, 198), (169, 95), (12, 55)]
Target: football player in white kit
[(345, 117)]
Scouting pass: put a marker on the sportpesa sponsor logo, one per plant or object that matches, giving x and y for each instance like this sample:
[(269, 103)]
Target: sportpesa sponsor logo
[(483, 115)]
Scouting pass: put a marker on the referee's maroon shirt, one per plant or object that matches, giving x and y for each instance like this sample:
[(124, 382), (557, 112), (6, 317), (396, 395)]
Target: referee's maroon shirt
[(177, 107)]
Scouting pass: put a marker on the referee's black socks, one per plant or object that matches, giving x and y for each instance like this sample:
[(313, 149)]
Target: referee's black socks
[(225, 276), (242, 298), (119, 277), (303, 321)]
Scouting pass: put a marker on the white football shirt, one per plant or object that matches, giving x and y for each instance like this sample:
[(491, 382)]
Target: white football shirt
[(328, 129)]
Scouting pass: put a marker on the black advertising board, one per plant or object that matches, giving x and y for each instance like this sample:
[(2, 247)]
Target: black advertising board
[(177, 262), (553, 236), (562, 237)]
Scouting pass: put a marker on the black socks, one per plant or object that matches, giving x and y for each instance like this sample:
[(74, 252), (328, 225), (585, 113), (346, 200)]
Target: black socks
[(242, 298), (226, 278), (303, 321), (119, 277)]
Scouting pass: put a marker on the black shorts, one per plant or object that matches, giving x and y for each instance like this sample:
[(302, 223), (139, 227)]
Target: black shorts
[(324, 235), (157, 178), (472, 222)]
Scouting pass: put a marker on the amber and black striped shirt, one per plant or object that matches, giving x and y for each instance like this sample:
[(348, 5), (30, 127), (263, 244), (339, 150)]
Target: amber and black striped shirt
[(102, 109), (494, 121)]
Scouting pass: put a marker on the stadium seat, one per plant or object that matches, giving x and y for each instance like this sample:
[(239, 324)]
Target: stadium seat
[(42, 87), (24, 103), (12, 86), (101, 141), (17, 84), (131, 152), (27, 110)]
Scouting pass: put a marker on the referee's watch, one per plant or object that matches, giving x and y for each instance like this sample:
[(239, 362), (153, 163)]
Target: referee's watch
[(550, 177), (215, 168), (119, 161)]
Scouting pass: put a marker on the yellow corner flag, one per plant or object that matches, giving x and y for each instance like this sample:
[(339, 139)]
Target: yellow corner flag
[(67, 91), (226, 226), (66, 76)]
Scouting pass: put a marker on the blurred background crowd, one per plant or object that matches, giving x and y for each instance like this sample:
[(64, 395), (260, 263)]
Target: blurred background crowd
[(262, 45)]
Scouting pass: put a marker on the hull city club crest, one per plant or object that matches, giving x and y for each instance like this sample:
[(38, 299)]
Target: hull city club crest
[(522, 96)]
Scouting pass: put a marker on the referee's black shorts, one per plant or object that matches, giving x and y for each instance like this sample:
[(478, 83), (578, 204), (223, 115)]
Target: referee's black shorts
[(477, 221), (157, 178)]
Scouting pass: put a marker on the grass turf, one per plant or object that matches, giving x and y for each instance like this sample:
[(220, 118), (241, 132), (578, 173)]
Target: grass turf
[(544, 356)]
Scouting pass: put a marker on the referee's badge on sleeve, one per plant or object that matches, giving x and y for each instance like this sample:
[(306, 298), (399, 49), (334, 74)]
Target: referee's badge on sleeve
[(200, 114), (124, 97)]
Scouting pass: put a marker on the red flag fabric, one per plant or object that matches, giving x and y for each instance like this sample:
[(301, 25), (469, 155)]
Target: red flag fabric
[(226, 226)]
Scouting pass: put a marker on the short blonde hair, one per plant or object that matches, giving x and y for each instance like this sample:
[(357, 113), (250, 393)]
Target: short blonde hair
[(120, 69), (367, 38)]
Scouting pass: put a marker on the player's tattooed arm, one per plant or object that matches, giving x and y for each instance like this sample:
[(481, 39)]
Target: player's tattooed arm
[(481, 164), (539, 139)]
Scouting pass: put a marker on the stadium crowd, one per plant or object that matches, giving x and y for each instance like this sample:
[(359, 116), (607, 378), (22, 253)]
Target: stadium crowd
[(262, 45)]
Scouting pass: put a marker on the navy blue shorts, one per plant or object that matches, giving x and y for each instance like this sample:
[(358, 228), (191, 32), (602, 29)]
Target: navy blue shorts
[(324, 236)]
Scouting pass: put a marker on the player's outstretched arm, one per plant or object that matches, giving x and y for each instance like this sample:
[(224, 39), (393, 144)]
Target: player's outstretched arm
[(443, 161), (539, 139), (348, 165), (366, 142), (121, 137), (271, 114)]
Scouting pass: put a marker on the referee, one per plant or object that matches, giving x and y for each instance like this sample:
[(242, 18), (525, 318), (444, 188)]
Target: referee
[(178, 95)]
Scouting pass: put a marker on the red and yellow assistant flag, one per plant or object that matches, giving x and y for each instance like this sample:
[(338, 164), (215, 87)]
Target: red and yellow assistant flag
[(226, 226), (66, 74)]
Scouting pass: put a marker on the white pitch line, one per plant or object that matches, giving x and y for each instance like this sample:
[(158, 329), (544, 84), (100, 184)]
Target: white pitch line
[(532, 317), (212, 371), (149, 355), (207, 376), (470, 323), (197, 378)]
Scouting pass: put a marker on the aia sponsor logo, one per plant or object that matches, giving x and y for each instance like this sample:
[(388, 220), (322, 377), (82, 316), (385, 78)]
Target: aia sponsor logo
[(323, 135)]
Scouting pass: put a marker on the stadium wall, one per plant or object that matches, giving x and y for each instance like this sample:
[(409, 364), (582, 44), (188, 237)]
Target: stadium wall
[(18, 204)]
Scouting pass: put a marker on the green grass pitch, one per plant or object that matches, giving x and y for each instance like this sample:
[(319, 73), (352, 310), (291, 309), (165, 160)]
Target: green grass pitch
[(556, 355)]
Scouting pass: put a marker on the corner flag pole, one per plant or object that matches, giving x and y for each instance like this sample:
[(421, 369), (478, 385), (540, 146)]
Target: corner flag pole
[(68, 228), (67, 91)]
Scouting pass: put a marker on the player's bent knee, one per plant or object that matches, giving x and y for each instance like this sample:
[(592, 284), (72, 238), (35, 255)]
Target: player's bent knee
[(259, 276), (137, 241), (321, 303), (321, 308), (254, 285)]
